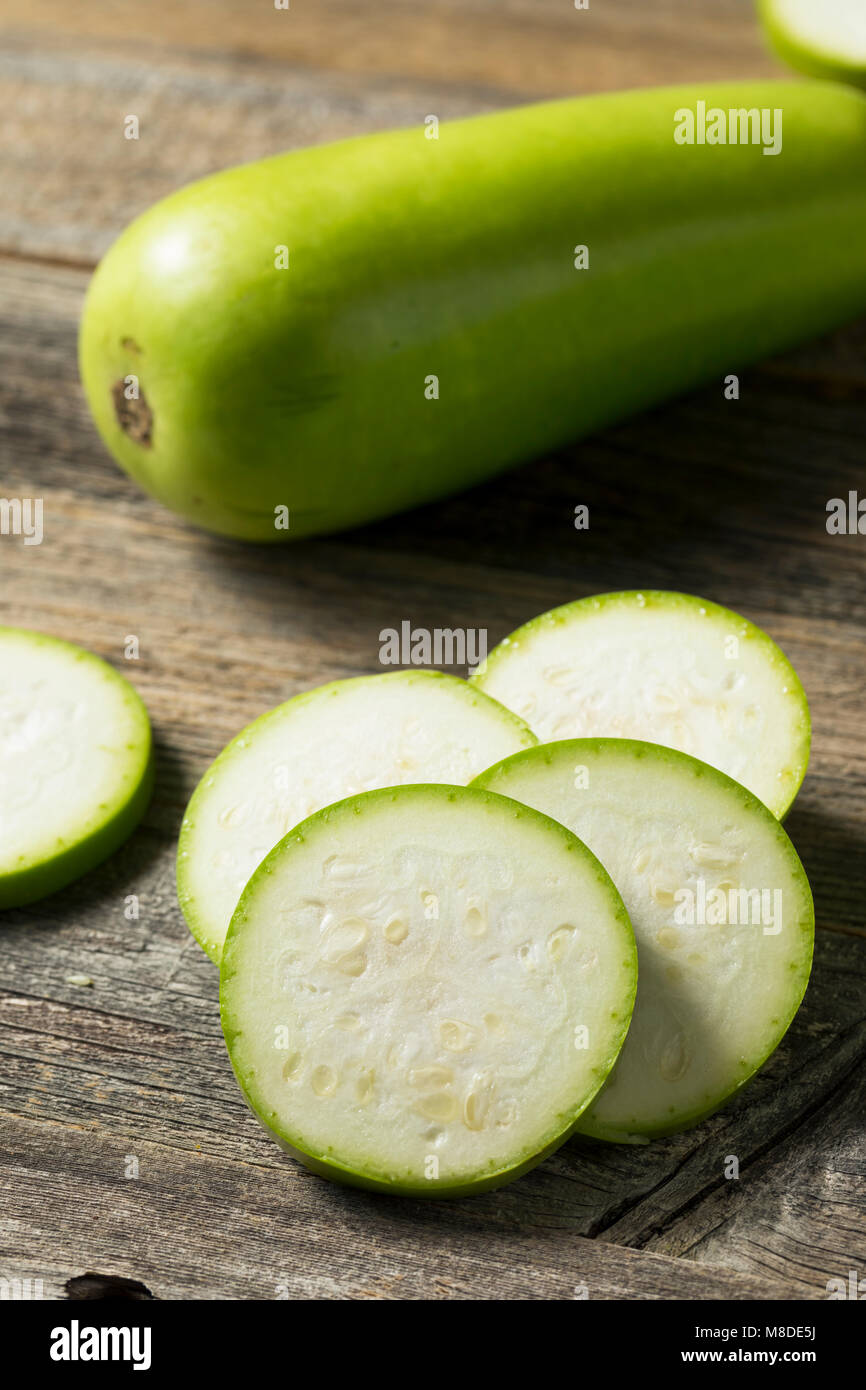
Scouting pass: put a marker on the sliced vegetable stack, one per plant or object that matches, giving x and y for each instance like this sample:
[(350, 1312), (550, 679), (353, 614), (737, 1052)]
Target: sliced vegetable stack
[(423, 988), (346, 737)]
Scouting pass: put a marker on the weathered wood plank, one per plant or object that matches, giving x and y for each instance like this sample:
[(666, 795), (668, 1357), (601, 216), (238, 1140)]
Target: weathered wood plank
[(526, 46), (187, 1226), (219, 84), (721, 498), (140, 1054), (801, 1216), (196, 115)]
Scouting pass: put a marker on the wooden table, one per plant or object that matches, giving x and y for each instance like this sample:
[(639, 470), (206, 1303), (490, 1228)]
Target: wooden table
[(125, 1149)]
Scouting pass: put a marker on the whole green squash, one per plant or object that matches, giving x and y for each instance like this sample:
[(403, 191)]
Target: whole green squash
[(338, 333)]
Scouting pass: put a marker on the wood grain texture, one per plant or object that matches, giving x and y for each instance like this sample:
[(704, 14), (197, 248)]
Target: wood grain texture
[(721, 498), (528, 47), (214, 84)]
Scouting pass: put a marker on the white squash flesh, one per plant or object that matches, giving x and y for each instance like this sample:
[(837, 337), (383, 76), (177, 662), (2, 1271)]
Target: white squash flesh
[(335, 741), (826, 38), (423, 987), (665, 668), (680, 840), (75, 763)]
